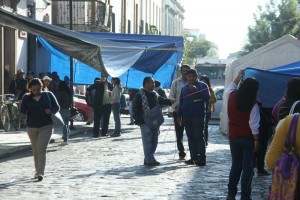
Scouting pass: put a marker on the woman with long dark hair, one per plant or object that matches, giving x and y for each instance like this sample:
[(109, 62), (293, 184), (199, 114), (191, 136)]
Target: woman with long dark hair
[(244, 117), (37, 106), (210, 106), (115, 105)]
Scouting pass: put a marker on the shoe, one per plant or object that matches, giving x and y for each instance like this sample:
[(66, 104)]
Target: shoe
[(263, 173), (153, 163), (88, 123), (189, 162), (115, 135), (131, 123), (230, 198), (200, 162), (40, 177), (182, 156), (64, 143)]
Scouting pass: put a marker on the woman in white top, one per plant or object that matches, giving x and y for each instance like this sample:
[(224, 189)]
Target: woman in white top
[(116, 106)]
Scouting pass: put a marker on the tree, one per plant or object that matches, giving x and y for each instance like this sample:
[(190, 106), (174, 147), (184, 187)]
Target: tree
[(197, 48), (270, 24)]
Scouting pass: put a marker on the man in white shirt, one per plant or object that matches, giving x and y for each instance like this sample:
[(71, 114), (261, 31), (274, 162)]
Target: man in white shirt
[(176, 87)]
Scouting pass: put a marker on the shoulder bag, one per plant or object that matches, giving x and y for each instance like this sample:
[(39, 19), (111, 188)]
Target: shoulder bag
[(57, 120), (285, 175)]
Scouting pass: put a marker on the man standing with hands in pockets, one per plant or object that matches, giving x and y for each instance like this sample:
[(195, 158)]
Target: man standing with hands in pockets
[(192, 108)]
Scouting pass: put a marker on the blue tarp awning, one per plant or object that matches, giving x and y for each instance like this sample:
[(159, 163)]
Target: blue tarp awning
[(156, 56), (273, 82)]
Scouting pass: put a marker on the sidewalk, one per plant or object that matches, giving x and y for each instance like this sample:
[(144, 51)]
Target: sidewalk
[(15, 141)]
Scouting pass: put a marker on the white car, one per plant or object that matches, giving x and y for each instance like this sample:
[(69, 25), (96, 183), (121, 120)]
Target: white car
[(219, 90)]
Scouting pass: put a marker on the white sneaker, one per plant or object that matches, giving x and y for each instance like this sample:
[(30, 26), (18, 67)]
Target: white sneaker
[(64, 143)]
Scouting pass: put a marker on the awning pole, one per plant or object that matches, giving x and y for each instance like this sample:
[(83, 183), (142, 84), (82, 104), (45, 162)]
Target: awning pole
[(71, 64)]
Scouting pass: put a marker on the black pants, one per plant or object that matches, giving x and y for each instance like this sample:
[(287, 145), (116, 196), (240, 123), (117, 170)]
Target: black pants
[(259, 156), (100, 111), (179, 135)]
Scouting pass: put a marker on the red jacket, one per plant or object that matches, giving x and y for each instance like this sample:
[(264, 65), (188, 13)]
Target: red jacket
[(238, 121)]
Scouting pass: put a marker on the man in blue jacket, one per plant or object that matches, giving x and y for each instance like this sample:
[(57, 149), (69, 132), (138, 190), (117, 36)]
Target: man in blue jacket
[(192, 108)]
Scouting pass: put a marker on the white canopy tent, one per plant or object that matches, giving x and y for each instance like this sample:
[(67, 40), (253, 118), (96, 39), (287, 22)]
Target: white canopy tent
[(280, 52)]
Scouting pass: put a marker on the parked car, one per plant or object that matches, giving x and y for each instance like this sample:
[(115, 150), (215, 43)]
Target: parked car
[(219, 90), (83, 109)]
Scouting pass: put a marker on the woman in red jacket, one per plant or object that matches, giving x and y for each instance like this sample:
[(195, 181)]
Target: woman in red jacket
[(243, 115)]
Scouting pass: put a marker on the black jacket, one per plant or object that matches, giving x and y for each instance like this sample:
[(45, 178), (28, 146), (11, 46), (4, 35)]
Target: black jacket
[(99, 92), (137, 104)]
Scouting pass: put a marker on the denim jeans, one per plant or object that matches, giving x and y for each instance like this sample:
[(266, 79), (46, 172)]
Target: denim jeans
[(207, 118), (241, 154), (65, 113), (150, 140), (194, 129), (179, 135), (116, 112)]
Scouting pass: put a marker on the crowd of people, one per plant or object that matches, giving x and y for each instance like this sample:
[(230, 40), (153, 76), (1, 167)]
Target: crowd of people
[(192, 100)]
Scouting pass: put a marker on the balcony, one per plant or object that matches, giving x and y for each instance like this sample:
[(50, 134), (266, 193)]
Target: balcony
[(87, 15)]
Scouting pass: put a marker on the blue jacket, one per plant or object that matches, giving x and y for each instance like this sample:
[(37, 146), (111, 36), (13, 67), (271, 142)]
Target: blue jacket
[(193, 103)]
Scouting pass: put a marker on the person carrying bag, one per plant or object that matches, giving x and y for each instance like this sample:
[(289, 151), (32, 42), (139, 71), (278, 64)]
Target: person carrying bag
[(282, 158)]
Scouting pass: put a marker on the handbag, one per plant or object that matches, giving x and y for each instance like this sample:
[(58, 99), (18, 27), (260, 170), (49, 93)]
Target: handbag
[(155, 118), (286, 171), (56, 118)]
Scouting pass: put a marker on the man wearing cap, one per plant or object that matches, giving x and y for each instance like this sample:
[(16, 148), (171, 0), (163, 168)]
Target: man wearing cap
[(191, 113), (18, 85)]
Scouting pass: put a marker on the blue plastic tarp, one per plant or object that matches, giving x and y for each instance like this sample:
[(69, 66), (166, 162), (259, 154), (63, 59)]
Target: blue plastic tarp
[(272, 84), (157, 56)]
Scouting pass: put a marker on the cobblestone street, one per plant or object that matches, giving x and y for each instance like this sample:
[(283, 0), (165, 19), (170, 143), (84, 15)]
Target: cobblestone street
[(112, 168)]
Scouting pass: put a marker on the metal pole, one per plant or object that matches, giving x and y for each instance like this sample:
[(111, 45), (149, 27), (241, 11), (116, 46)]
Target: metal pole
[(2, 63), (71, 63)]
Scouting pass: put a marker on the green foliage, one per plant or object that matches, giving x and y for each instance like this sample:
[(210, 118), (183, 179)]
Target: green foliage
[(195, 48), (272, 23)]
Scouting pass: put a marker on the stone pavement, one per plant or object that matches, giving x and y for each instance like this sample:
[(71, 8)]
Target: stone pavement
[(112, 168), (15, 141)]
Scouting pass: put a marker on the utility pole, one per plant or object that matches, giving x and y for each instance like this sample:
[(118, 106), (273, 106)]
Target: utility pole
[(71, 63)]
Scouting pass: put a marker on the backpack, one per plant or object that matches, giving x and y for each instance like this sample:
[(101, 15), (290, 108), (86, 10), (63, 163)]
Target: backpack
[(285, 175), (89, 97)]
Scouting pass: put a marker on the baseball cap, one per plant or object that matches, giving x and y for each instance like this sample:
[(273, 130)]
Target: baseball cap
[(20, 71), (47, 78)]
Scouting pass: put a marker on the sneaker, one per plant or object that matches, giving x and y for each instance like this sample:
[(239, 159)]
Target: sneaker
[(64, 143), (189, 162), (182, 156), (263, 173), (40, 177)]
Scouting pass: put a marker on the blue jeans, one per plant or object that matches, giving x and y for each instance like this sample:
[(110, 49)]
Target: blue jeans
[(241, 154), (65, 113), (116, 111), (150, 140), (194, 130)]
